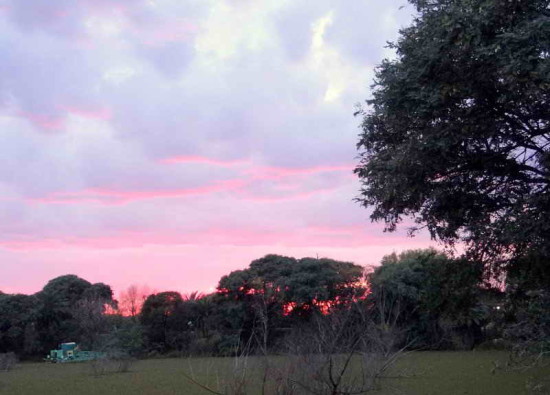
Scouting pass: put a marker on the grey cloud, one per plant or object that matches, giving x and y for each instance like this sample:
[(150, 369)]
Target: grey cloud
[(170, 58), (254, 105), (294, 24)]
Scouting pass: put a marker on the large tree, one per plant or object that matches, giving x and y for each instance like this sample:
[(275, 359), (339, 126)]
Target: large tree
[(161, 320), (295, 286), (60, 300), (456, 135), (278, 291), (433, 298), (17, 323)]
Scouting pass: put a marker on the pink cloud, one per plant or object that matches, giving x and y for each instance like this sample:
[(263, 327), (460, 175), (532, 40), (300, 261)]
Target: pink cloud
[(30, 245), (261, 172), (204, 160), (57, 122), (288, 195), (281, 172), (101, 113), (256, 184), (43, 121), (115, 197), (342, 237), (118, 197), (336, 229)]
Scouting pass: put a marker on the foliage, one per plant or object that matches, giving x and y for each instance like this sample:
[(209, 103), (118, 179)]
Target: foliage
[(530, 329), (126, 336), (276, 292), (307, 282), (422, 295), (457, 134), (526, 323), (91, 323), (66, 304), (66, 290), (100, 293), (530, 272), (160, 319), (17, 316), (435, 298)]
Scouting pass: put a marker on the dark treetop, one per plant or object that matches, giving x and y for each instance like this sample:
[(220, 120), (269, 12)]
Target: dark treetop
[(456, 134)]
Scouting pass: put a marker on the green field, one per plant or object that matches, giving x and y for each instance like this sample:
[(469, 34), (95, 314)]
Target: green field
[(421, 373)]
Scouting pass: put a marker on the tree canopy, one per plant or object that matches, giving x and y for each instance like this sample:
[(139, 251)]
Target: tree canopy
[(456, 135), (17, 313), (61, 303), (420, 295), (434, 297), (159, 316), (306, 284)]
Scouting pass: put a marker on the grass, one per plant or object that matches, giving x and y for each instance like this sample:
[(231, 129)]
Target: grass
[(422, 373)]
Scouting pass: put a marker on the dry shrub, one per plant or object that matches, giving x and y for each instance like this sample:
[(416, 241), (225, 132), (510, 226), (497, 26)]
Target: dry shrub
[(7, 361), (343, 353), (110, 364)]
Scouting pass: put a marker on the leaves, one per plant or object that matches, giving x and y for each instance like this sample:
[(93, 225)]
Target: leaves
[(437, 294), (458, 129)]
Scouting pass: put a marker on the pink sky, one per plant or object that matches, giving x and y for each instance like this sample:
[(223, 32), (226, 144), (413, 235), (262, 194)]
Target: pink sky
[(168, 142)]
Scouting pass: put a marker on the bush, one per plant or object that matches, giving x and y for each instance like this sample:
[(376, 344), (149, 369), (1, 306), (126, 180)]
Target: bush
[(7, 361), (127, 337), (530, 330), (205, 346), (112, 363), (494, 345), (228, 345), (321, 354)]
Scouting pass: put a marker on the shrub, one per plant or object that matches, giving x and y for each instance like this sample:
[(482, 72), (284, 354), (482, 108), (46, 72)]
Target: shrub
[(112, 363), (530, 331), (7, 361)]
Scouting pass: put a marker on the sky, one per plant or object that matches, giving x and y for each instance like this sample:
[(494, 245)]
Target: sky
[(169, 142)]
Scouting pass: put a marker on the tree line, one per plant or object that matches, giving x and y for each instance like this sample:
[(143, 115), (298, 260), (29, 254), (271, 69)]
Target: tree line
[(424, 299)]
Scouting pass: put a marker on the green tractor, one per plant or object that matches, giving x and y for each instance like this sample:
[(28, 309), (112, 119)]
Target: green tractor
[(71, 352)]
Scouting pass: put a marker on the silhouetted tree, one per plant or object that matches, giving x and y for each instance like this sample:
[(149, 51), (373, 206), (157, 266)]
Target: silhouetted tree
[(18, 314), (434, 298), (276, 291), (60, 299), (457, 134), (132, 299), (161, 321)]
